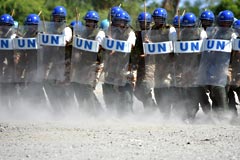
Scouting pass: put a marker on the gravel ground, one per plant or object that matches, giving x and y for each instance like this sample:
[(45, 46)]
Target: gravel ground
[(110, 137), (37, 134)]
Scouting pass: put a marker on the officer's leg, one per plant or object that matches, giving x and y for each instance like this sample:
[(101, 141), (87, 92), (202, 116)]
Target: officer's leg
[(52, 90), (162, 96), (219, 98), (33, 93), (180, 105), (109, 95), (10, 85), (143, 93), (203, 100), (238, 93), (192, 101), (92, 103), (2, 99), (78, 91), (125, 103), (232, 101)]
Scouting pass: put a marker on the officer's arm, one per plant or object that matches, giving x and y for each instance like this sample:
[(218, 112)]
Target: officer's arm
[(67, 32), (100, 36), (172, 34), (132, 38), (203, 34)]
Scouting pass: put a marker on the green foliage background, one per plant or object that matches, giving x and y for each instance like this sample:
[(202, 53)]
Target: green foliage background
[(24, 7)]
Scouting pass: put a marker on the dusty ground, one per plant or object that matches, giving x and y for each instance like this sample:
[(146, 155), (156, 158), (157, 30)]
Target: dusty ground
[(38, 135)]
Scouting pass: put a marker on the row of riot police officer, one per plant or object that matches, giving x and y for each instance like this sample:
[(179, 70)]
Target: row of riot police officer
[(68, 62), (51, 64), (181, 80)]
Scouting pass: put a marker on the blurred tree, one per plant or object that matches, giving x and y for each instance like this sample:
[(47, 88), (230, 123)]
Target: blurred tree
[(21, 8), (227, 5)]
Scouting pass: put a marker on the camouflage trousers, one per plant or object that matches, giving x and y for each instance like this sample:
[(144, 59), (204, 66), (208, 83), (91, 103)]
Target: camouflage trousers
[(218, 96), (232, 99), (119, 98), (8, 94), (186, 101), (143, 92), (86, 97)]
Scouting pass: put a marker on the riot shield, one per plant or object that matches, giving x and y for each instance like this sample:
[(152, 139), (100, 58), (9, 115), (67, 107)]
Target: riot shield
[(84, 55), (214, 63), (159, 57), (116, 56), (52, 53), (6, 54), (187, 51), (235, 64), (26, 54)]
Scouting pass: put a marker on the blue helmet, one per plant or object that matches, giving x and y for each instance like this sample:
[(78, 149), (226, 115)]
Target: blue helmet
[(121, 15), (145, 16), (127, 16), (175, 20), (104, 24), (59, 11), (236, 24), (92, 15), (225, 16), (32, 19), (160, 12), (115, 9), (207, 15), (74, 23), (189, 19), (6, 19)]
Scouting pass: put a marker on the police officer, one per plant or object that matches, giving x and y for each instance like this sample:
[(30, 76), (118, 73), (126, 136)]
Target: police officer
[(143, 88), (164, 69), (207, 19), (32, 92), (215, 65), (7, 62), (85, 63), (54, 60), (187, 65), (117, 93)]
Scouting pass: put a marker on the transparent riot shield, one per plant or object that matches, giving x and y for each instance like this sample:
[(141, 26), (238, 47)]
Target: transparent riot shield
[(187, 51), (116, 56), (7, 33), (84, 55), (26, 54), (214, 64), (52, 54), (235, 64), (159, 57)]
